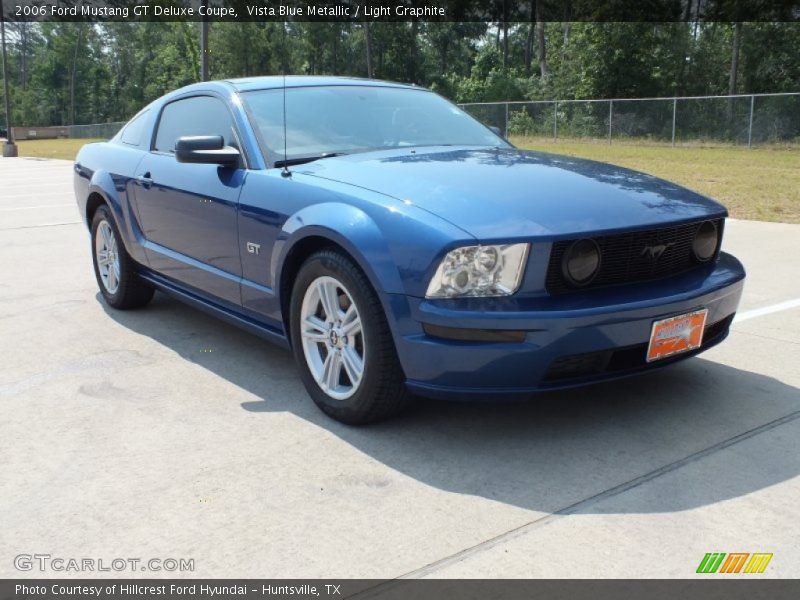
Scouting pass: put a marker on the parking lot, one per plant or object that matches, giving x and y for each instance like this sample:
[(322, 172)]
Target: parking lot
[(164, 433)]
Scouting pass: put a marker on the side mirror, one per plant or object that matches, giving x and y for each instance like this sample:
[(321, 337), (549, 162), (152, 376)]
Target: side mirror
[(206, 149), (497, 131)]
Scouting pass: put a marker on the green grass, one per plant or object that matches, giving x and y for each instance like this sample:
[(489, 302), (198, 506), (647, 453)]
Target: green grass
[(759, 183), (61, 148), (762, 183)]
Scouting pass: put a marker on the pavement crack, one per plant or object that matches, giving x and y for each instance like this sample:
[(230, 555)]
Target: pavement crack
[(586, 502), (38, 226)]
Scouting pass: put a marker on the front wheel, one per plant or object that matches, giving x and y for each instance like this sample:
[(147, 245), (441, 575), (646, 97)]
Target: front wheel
[(342, 342)]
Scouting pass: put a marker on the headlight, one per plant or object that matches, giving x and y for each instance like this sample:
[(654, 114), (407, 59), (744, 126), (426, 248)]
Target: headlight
[(705, 241), (581, 262), (479, 271)]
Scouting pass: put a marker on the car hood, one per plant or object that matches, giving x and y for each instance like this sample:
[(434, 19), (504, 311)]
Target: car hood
[(506, 193)]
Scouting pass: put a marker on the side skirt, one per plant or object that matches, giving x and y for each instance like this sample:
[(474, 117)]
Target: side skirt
[(164, 285)]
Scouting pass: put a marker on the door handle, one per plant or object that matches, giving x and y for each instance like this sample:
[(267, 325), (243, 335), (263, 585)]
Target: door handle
[(145, 180)]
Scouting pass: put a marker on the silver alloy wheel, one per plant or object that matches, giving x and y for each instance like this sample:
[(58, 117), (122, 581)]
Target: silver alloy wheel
[(106, 250), (332, 338)]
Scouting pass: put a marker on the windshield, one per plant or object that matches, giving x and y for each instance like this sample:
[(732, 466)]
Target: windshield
[(343, 119)]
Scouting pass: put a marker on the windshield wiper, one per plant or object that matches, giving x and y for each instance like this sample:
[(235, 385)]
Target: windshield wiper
[(301, 160)]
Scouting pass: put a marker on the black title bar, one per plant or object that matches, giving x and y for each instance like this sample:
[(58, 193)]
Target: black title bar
[(402, 10), (419, 589)]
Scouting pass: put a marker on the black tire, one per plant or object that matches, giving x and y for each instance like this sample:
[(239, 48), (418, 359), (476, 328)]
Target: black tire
[(131, 292), (382, 392)]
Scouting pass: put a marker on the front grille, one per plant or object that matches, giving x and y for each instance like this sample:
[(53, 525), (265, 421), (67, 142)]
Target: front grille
[(625, 359), (623, 258)]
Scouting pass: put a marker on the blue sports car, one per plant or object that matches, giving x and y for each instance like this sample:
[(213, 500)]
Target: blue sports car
[(398, 246)]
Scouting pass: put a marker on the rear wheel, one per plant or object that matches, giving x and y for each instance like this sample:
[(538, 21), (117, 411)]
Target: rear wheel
[(342, 342), (114, 269)]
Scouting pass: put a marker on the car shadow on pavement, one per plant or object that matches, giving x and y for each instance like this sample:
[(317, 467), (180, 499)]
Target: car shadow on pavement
[(545, 453)]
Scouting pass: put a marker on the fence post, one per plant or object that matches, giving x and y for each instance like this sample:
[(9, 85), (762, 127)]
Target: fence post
[(610, 116), (674, 110), (555, 120), (505, 131), (750, 126)]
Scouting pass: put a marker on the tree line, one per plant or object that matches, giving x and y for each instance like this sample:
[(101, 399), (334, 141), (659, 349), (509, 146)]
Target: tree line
[(75, 73)]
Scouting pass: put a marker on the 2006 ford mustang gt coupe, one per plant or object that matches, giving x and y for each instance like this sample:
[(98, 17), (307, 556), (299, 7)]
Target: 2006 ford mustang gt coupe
[(399, 246)]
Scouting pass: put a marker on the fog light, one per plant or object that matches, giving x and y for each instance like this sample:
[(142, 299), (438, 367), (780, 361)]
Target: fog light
[(581, 262), (705, 241)]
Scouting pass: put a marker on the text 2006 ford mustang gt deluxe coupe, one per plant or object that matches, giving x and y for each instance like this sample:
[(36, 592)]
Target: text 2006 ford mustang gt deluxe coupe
[(396, 244)]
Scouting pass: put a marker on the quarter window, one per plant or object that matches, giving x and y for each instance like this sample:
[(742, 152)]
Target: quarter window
[(199, 115), (132, 134)]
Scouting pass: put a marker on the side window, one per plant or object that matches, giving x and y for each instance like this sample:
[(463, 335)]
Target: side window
[(132, 134), (200, 115)]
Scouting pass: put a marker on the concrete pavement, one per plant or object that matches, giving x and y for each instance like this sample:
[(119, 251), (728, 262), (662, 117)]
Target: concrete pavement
[(164, 433)]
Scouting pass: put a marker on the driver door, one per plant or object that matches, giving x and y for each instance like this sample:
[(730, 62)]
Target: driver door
[(188, 211)]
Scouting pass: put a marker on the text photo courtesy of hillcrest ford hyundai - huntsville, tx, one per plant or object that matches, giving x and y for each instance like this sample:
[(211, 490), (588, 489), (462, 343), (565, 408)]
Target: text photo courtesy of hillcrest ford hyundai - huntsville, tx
[(473, 304)]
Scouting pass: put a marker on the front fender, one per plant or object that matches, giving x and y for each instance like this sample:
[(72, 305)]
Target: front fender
[(349, 227)]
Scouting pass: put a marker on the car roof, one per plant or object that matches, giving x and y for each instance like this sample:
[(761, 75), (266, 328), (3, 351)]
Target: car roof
[(245, 84)]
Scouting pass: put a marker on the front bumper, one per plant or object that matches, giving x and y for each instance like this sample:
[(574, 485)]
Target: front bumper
[(568, 340)]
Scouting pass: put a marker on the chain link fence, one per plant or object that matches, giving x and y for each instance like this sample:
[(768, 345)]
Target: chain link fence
[(742, 119), (95, 130)]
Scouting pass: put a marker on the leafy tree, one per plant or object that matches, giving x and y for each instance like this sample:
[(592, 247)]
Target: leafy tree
[(78, 72)]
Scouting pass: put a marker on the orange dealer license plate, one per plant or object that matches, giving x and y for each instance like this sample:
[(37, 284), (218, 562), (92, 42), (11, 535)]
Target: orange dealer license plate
[(676, 335)]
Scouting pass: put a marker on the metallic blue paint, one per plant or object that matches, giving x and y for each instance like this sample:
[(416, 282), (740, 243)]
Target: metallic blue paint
[(556, 327), (397, 213), (504, 193)]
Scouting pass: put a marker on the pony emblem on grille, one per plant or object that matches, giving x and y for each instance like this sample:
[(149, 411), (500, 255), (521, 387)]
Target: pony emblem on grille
[(655, 251)]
